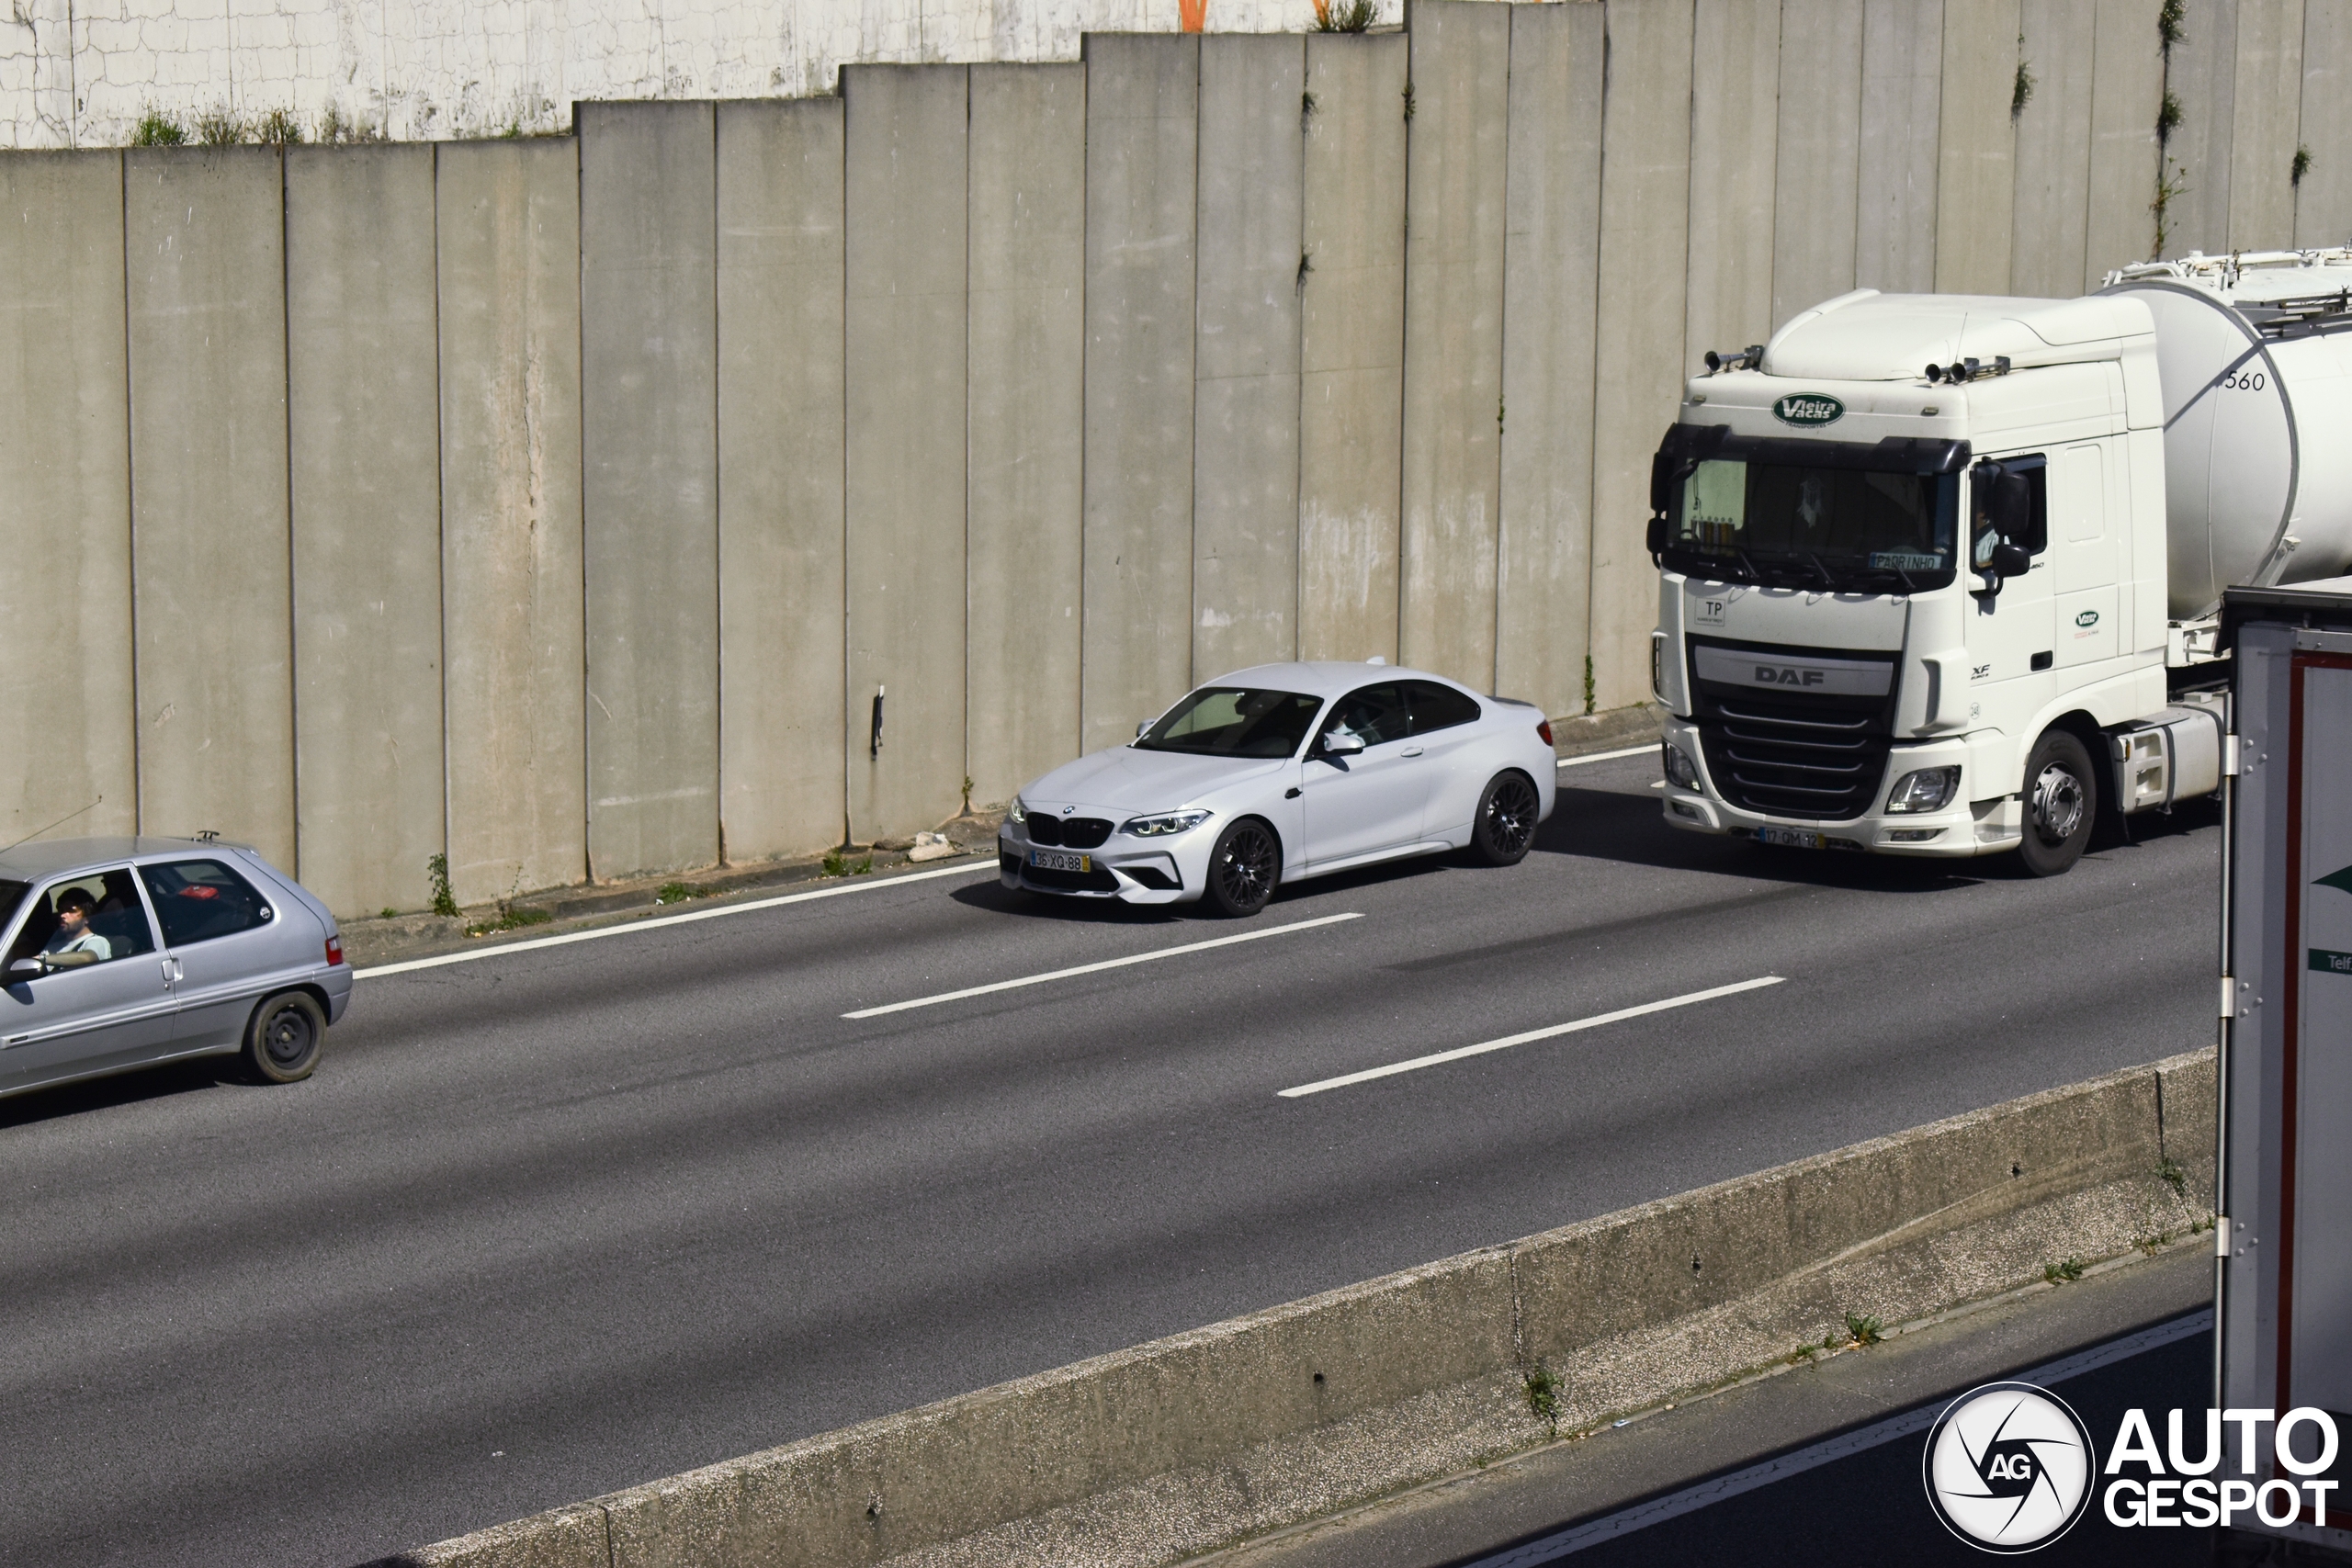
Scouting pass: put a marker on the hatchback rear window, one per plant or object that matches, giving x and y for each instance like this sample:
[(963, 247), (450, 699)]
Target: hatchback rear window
[(200, 900)]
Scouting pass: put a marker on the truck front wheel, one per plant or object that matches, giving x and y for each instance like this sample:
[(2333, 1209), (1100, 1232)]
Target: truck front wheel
[(2061, 805)]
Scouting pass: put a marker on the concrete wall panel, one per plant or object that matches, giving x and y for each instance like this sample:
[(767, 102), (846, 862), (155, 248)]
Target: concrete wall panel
[(1142, 137), (1551, 253), (1351, 336), (204, 241), (1976, 171), (2266, 121), (2203, 75), (1027, 484), (781, 766), (363, 422), (2051, 210), (1817, 155), (2323, 198), (905, 217), (1735, 140), (1894, 210), (65, 626), (2126, 94), (1246, 355), (1644, 228), (1457, 147), (508, 222), (649, 494)]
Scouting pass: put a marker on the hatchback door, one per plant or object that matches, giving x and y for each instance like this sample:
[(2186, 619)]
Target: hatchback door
[(229, 945), (76, 1004), (1372, 800)]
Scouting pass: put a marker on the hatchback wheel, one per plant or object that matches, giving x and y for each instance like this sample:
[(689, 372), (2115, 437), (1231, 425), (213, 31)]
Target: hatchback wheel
[(1505, 824), (2061, 805), (283, 1039), (1244, 867)]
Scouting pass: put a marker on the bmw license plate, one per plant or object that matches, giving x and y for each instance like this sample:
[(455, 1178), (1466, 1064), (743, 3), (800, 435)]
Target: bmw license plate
[(1795, 838), (1062, 860)]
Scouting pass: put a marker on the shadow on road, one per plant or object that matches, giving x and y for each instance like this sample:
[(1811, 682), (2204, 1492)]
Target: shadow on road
[(124, 1088)]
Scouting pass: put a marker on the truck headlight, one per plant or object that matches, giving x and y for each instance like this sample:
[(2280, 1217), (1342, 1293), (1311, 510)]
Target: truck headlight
[(1680, 771), (1163, 825), (1923, 789)]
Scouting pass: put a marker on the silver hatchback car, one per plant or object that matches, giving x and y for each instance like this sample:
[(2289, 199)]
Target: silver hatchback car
[(123, 952)]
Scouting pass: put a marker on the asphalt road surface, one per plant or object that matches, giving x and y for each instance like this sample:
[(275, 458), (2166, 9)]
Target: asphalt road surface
[(554, 1223)]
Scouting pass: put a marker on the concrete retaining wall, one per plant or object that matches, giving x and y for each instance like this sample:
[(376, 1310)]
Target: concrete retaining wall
[(1152, 1454), (562, 505)]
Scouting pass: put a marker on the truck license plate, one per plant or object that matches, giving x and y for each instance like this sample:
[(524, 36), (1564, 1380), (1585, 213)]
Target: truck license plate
[(1795, 838), (1062, 860)]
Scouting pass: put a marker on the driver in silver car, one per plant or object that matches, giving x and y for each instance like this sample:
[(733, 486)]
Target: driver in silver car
[(74, 941)]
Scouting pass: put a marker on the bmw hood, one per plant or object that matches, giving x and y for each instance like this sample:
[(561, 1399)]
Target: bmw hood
[(1124, 780)]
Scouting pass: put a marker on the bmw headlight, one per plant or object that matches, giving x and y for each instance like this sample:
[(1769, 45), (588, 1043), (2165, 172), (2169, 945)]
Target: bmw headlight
[(1680, 771), (1925, 789), (1162, 826), (1018, 811)]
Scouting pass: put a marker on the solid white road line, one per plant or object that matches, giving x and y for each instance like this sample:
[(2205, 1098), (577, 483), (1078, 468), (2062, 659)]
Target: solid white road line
[(1650, 749), (660, 921), (1094, 968), (1508, 1040)]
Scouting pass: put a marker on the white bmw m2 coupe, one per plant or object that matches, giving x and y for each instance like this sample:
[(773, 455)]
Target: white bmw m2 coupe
[(1284, 771)]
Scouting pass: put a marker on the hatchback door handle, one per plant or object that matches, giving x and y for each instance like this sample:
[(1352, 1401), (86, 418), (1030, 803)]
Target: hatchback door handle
[(1411, 752)]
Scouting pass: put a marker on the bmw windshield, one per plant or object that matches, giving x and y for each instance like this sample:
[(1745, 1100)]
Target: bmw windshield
[(1794, 526), (1234, 721)]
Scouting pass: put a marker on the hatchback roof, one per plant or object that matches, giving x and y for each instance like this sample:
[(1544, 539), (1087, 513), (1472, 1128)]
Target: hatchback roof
[(48, 857)]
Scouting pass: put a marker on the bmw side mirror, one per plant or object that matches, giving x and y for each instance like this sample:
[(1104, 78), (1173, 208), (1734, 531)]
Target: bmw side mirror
[(1143, 728), (1341, 743)]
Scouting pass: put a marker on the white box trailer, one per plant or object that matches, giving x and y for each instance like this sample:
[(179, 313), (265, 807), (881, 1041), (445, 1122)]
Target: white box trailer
[(1940, 573)]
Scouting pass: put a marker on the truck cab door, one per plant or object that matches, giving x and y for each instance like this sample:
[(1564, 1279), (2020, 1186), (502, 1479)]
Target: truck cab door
[(2010, 636)]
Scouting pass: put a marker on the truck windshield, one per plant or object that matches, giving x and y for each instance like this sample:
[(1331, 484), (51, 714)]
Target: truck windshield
[(1839, 529)]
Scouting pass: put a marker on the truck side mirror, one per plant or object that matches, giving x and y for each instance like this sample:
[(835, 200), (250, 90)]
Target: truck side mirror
[(2011, 560), (1655, 542)]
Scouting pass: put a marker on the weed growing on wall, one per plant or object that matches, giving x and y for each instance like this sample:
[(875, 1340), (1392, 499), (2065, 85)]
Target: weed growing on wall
[(2022, 90), (2300, 167), (157, 129), (436, 872), (1344, 17)]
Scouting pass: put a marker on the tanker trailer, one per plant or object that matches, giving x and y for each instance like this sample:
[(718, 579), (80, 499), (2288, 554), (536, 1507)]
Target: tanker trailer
[(1939, 573)]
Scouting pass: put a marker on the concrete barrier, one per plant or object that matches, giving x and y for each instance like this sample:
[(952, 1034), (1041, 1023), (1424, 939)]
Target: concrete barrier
[(204, 242), (1457, 163), (2324, 195), (1155, 1453), (1249, 282), (2126, 96), (780, 451), (905, 174), (507, 229), (2268, 124), (1895, 209), (1352, 346), (2200, 72), (65, 482), (1025, 484), (1975, 173), (365, 492), (1551, 255), (648, 340), (2056, 43), (1142, 170), (1819, 146)]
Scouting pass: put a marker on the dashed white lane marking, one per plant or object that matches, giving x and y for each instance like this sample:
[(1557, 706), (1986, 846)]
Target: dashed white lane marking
[(658, 922), (1507, 1042), (1096, 968), (1650, 749)]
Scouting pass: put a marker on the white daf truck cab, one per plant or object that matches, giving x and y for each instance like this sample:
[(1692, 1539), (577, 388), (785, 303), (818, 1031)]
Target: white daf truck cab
[(1939, 572)]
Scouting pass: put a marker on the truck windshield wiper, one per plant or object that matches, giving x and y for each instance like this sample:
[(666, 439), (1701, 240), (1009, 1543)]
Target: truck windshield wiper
[(1829, 581)]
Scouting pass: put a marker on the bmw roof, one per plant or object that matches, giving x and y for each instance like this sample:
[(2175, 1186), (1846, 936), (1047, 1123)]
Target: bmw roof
[(1327, 677)]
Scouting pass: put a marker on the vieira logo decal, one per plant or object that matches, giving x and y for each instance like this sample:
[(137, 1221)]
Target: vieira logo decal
[(2009, 1467), (2088, 618), (1808, 410)]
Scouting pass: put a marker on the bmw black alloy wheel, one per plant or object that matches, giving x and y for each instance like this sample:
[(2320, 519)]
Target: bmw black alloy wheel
[(1510, 814), (1243, 868)]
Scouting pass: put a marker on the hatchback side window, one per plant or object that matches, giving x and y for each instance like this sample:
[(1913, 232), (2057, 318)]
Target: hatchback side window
[(200, 900), (1374, 714), (1440, 707), (93, 918)]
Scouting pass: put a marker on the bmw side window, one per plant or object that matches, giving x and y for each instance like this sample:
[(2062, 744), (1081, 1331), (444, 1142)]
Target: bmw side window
[(1440, 707), (1372, 714), (200, 900), (89, 919)]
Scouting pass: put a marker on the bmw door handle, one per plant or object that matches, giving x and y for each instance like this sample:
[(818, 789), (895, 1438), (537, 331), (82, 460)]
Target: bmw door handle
[(1410, 751)]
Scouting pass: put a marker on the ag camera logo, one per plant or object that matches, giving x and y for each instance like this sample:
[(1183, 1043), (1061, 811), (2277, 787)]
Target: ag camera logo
[(2009, 1467)]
